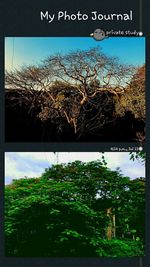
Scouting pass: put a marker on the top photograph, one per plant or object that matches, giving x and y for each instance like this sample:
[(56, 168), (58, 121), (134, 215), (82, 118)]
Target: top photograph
[(75, 89)]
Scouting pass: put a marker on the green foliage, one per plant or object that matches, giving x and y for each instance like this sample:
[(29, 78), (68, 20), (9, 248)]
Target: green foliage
[(63, 213), (119, 248), (140, 155)]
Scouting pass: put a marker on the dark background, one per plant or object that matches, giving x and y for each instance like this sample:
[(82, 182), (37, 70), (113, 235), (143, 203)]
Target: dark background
[(22, 18)]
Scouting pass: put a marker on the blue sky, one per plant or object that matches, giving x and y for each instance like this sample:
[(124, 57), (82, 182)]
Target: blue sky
[(21, 51), (32, 164)]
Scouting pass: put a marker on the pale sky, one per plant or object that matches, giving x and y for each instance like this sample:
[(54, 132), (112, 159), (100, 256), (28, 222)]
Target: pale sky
[(32, 164)]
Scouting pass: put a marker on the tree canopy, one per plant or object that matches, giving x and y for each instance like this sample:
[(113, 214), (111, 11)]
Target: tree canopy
[(84, 90), (75, 209)]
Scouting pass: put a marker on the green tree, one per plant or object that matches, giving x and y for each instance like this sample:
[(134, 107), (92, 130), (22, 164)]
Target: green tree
[(64, 213)]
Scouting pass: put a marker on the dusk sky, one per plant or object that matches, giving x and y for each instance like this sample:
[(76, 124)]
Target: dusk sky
[(32, 164), (21, 51)]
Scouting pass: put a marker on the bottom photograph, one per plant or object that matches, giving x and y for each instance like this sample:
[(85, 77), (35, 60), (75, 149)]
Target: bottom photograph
[(74, 204)]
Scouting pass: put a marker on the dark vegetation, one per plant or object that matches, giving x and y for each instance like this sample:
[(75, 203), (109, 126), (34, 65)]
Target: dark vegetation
[(81, 96), (75, 210)]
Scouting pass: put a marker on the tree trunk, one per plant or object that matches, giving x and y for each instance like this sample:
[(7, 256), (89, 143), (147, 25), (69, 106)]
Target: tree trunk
[(114, 225), (111, 228)]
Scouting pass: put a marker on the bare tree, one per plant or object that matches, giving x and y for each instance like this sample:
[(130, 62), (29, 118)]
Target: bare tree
[(91, 67), (78, 88)]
